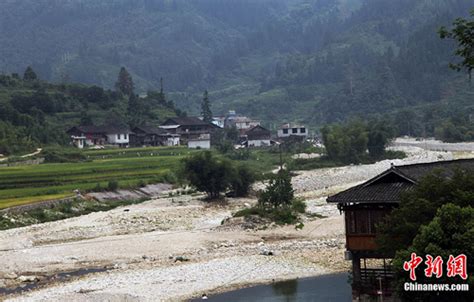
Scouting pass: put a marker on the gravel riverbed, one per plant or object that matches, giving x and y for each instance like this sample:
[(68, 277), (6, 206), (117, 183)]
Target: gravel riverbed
[(171, 249)]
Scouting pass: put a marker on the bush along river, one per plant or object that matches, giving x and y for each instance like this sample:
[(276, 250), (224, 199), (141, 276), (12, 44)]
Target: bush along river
[(333, 287)]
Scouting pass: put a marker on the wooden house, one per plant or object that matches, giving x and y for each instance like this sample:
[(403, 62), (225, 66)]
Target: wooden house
[(153, 136), (188, 127), (258, 136), (367, 204)]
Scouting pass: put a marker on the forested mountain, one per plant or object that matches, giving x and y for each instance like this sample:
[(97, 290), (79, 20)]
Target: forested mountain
[(35, 113), (312, 61)]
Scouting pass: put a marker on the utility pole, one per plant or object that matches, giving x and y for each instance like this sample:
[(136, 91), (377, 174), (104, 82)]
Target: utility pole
[(380, 292), (281, 159)]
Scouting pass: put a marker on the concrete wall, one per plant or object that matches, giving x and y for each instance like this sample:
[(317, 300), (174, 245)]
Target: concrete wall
[(259, 143), (203, 144), (119, 138), (290, 132), (172, 141)]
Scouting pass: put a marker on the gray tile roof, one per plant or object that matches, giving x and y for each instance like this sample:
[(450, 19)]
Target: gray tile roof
[(388, 186)]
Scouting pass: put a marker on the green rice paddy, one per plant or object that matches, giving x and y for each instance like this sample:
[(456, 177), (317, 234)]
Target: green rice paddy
[(129, 167)]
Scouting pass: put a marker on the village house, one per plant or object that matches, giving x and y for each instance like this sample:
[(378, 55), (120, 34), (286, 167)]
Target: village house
[(153, 136), (365, 205), (188, 127), (287, 130), (258, 136), (219, 121), (241, 123), (87, 136), (201, 142)]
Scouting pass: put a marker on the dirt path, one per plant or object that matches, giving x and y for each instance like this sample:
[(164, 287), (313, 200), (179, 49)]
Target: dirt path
[(143, 242), (38, 151)]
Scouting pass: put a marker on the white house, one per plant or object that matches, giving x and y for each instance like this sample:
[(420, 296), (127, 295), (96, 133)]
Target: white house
[(219, 121), (172, 140), (287, 130), (78, 141), (118, 137), (201, 142), (258, 136), (86, 136)]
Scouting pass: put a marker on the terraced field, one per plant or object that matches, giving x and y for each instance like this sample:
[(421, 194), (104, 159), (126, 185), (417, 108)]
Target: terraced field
[(129, 167)]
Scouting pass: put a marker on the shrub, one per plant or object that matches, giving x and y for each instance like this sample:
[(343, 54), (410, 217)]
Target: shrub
[(63, 155), (170, 177), (277, 202), (283, 216), (208, 173), (112, 185), (242, 180), (97, 187), (279, 192), (298, 205), (250, 211)]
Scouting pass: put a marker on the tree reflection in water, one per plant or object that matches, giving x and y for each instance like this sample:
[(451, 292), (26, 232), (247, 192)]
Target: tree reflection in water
[(287, 289)]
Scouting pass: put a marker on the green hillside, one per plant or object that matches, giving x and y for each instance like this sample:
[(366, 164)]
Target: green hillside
[(311, 61), (35, 113)]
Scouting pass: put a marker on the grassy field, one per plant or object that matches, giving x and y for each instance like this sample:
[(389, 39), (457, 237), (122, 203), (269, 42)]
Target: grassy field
[(129, 167)]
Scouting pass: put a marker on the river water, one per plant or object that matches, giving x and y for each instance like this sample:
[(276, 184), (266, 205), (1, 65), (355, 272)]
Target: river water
[(334, 287)]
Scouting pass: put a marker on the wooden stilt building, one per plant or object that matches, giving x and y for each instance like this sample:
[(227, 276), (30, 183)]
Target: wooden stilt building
[(366, 205)]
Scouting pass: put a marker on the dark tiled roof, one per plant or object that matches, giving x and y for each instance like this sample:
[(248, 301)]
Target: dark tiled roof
[(185, 121), (101, 129), (149, 129), (417, 171), (258, 132), (388, 186)]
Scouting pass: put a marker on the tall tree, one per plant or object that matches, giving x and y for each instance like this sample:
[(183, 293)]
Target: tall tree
[(279, 192), (206, 112), (209, 173), (124, 82), (29, 74), (463, 33)]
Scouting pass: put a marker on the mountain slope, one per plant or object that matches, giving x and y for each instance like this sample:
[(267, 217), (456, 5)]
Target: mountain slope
[(313, 61)]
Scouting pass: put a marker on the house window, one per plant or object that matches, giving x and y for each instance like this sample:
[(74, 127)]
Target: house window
[(285, 131), (363, 221), (125, 136), (118, 136), (294, 130), (303, 130)]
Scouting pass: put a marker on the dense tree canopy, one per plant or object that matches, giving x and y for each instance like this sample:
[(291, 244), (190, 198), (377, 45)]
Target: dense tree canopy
[(214, 175), (36, 113), (349, 142), (331, 60), (463, 33)]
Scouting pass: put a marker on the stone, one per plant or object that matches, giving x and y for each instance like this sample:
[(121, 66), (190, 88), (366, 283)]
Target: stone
[(11, 275), (266, 252), (28, 278), (180, 259)]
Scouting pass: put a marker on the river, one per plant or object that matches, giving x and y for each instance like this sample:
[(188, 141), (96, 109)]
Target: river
[(334, 287)]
